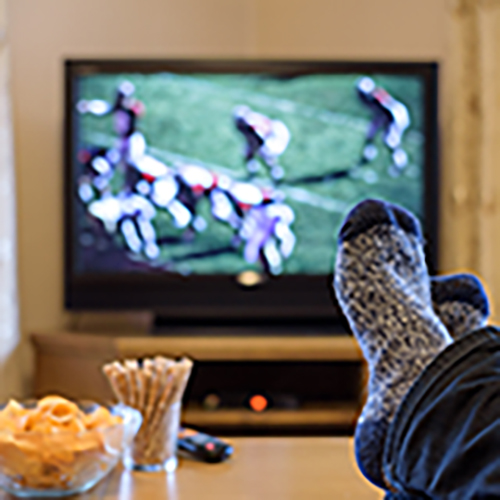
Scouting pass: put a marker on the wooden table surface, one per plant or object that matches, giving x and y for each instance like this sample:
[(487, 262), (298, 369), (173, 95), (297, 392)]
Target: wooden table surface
[(260, 469)]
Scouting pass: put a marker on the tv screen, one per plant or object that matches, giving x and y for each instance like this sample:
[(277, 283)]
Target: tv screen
[(218, 175)]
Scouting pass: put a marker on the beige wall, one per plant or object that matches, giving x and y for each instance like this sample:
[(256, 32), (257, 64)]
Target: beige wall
[(43, 32), (351, 29)]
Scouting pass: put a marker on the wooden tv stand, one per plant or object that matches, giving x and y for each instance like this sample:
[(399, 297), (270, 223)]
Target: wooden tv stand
[(69, 363)]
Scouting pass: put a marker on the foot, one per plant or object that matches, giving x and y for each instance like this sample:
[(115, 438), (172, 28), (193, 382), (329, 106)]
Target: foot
[(399, 162), (382, 285), (459, 300), (253, 167), (370, 152), (277, 173), (415, 275), (461, 303), (400, 158)]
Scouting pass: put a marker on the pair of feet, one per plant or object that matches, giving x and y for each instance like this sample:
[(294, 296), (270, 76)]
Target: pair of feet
[(401, 318)]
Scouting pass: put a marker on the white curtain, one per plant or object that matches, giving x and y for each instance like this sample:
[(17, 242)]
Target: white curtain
[(471, 210), (10, 382)]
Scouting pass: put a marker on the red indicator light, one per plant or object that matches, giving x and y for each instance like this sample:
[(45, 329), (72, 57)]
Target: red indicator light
[(258, 403), (210, 446)]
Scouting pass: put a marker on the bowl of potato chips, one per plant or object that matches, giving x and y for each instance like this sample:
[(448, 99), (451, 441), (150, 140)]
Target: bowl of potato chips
[(54, 447)]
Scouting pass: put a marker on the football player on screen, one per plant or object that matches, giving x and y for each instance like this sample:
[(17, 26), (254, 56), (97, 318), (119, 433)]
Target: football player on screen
[(128, 211), (260, 220), (146, 180), (258, 217), (267, 235), (265, 138), (98, 169), (389, 115)]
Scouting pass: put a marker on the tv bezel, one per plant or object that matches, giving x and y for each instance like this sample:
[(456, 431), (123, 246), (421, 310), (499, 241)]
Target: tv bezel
[(221, 297)]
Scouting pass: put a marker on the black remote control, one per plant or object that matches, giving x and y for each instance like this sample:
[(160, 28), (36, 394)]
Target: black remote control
[(202, 446)]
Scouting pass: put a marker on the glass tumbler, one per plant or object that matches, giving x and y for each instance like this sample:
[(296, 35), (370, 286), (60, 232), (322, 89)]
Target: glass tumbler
[(155, 446)]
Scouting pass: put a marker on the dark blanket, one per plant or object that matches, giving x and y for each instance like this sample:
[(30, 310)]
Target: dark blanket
[(444, 442)]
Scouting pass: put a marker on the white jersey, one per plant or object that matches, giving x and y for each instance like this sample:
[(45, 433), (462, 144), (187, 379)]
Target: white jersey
[(266, 230), (276, 143), (227, 193), (246, 195), (274, 133), (199, 179), (149, 167), (399, 113)]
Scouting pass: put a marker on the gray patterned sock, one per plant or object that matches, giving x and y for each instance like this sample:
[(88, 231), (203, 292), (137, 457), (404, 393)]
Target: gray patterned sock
[(459, 300), (461, 303), (416, 277), (382, 286)]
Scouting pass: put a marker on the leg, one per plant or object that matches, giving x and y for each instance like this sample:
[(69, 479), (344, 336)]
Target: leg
[(392, 140), (370, 151), (378, 268), (129, 232), (399, 162), (252, 148), (148, 234), (276, 171), (271, 258), (253, 167), (181, 215)]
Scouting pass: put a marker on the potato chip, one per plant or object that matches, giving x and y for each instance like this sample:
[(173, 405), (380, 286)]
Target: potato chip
[(53, 444), (58, 406), (101, 417)]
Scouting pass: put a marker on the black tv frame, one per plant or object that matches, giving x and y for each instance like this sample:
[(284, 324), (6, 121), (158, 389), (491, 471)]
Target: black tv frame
[(298, 298)]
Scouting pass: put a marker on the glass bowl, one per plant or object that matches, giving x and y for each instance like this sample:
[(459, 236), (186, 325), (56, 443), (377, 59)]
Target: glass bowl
[(64, 463)]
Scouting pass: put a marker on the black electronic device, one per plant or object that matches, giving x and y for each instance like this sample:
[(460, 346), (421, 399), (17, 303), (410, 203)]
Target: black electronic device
[(212, 190), (204, 447)]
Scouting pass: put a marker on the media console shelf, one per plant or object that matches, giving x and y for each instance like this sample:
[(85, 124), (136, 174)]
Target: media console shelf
[(69, 363)]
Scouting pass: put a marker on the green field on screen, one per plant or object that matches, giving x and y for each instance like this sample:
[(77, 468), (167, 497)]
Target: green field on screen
[(188, 119)]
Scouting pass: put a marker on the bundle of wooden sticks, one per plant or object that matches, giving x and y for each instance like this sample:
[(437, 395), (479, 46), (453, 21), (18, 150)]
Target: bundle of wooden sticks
[(155, 388)]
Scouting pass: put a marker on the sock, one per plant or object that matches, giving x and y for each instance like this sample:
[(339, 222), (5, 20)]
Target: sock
[(461, 303), (382, 286), (415, 275), (459, 300)]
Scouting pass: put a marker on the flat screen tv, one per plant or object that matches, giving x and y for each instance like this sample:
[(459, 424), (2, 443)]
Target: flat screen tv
[(216, 188)]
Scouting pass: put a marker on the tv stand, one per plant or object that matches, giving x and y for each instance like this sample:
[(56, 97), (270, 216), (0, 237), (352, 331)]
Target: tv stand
[(247, 327), (69, 363)]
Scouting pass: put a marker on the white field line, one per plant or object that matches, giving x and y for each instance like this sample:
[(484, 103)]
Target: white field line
[(297, 194), (288, 106), (315, 200)]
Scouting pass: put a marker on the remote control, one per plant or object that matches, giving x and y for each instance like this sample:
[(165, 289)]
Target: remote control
[(202, 446)]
